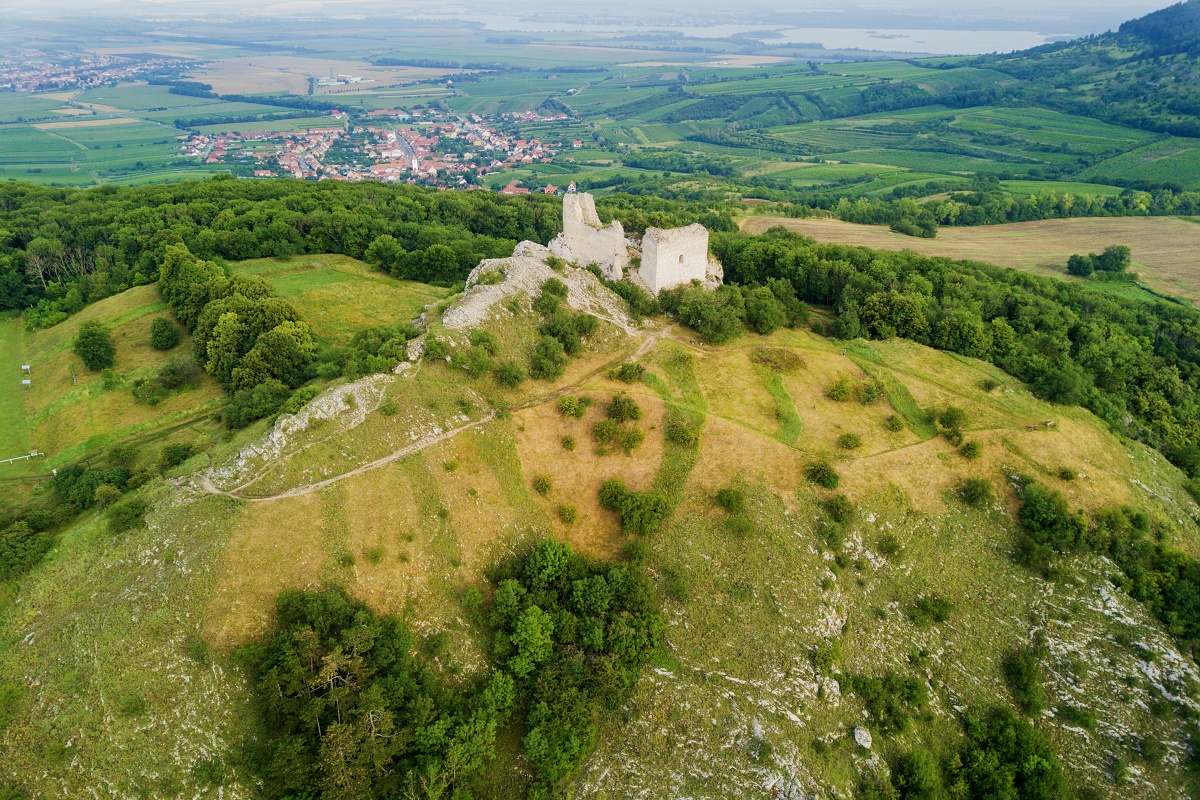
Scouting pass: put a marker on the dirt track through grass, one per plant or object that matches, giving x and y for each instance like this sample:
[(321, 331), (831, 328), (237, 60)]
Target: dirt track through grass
[(1164, 248)]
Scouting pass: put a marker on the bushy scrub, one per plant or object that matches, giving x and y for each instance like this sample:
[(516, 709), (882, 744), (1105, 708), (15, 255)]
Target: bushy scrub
[(640, 512), (732, 500), (1023, 671), (823, 475), (574, 406), (94, 346), (164, 334)]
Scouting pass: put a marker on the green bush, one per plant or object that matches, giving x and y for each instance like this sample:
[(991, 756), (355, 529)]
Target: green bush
[(889, 545), (568, 443), (850, 441), (628, 372), (542, 485), (732, 500), (840, 509), (435, 348), (971, 450), (931, 608), (485, 339), (94, 346), (894, 423), (555, 287), (164, 333), (622, 408), (823, 475), (1023, 670), (610, 432), (510, 374), (248, 405), (891, 700), (640, 512), (548, 360), (679, 430), (976, 492), (175, 454), (126, 515), (568, 514), (574, 406)]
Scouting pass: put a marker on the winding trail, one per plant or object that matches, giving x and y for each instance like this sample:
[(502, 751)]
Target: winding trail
[(650, 339)]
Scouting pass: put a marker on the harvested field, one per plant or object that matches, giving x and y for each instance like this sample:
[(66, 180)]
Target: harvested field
[(1164, 248), (83, 123)]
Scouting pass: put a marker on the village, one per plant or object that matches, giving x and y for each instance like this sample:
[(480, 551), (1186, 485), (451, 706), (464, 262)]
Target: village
[(37, 71), (416, 146)]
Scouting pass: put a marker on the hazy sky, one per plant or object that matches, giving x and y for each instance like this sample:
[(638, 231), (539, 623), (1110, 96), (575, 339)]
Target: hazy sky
[(1048, 16)]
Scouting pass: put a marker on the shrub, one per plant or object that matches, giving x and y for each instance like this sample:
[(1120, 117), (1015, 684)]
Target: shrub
[(1066, 474), (486, 340), (839, 508), (676, 584), (894, 423), (568, 514), (436, 348), (823, 475), (628, 372), (611, 432), (164, 333), (542, 485), (932, 608), (971, 450), (623, 409), (989, 385), (106, 494), (548, 360), (976, 492), (510, 374), (306, 393), (574, 406), (732, 499), (640, 512), (126, 515), (891, 700), (717, 316), (247, 405), (953, 418), (555, 287), (841, 390), (765, 314), (679, 430), (1023, 670), (849, 441), (175, 454), (889, 545), (1077, 715), (94, 346), (555, 263), (777, 359), (845, 389), (568, 443)]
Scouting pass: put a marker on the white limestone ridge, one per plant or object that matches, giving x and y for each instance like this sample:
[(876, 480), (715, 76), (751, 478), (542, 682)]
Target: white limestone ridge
[(496, 280)]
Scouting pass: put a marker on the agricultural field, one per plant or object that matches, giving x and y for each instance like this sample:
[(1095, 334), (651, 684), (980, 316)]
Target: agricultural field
[(1163, 248)]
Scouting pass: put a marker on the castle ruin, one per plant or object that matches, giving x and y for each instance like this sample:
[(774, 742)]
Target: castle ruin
[(671, 257), (585, 240), (674, 257)]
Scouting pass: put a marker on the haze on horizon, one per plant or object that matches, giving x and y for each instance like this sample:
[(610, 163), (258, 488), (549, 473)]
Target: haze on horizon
[(1073, 17)]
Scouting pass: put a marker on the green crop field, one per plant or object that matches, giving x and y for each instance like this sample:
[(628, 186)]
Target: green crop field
[(1173, 160), (26, 107)]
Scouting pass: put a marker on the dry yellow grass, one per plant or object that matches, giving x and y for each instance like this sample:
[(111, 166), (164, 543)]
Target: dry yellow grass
[(577, 475), (255, 74), (1164, 248), (275, 546)]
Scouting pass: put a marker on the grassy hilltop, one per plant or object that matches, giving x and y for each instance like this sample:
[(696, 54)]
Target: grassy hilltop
[(120, 659)]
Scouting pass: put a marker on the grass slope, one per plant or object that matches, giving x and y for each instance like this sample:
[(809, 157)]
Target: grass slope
[(115, 658)]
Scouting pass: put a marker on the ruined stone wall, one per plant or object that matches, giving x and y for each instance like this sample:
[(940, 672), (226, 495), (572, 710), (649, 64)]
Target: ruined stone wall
[(673, 257), (586, 241)]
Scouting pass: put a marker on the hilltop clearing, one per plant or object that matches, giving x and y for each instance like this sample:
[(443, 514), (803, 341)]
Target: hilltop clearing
[(1163, 247)]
